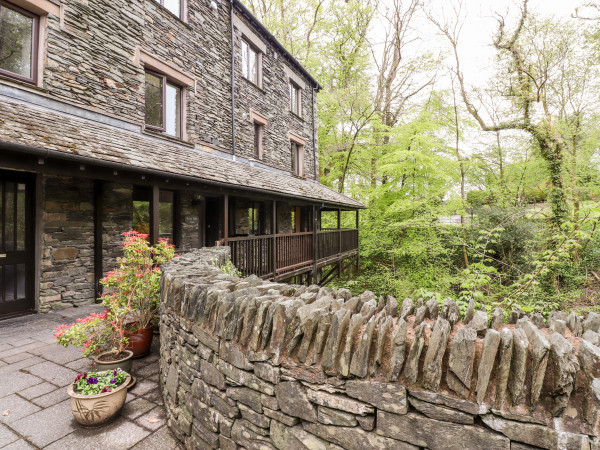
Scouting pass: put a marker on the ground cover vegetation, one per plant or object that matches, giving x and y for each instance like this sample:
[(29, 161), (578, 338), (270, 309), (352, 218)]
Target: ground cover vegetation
[(489, 189)]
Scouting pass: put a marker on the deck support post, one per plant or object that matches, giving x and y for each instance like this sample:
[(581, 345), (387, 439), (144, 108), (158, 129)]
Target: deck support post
[(315, 247), (154, 214), (274, 242), (98, 211), (339, 226), (226, 218), (357, 231)]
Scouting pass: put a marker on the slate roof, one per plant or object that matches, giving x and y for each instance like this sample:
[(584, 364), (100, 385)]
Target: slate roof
[(38, 127)]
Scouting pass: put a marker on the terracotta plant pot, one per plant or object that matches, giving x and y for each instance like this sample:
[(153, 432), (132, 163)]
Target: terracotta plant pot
[(140, 341), (123, 363), (99, 409)]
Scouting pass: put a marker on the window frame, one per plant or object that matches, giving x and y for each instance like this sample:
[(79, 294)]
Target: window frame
[(167, 81), (259, 135), (181, 9), (297, 153), (35, 35), (258, 52), (297, 90)]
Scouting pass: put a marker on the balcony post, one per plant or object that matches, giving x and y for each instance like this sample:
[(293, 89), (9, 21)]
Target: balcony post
[(274, 239), (226, 217), (339, 225), (315, 246), (154, 214)]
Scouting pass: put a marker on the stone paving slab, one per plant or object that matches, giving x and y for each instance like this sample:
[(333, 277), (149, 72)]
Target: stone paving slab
[(34, 371)]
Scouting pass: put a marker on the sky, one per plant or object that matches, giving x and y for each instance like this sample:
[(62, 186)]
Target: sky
[(480, 26)]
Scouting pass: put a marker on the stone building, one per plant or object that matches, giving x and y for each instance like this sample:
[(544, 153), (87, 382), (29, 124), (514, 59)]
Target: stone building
[(183, 119)]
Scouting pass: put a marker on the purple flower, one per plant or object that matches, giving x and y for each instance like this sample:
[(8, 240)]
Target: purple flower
[(92, 380), (115, 373), (113, 381)]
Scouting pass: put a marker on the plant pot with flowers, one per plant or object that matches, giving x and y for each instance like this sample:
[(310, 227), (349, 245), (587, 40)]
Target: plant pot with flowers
[(136, 282), (131, 300), (97, 397), (101, 337)]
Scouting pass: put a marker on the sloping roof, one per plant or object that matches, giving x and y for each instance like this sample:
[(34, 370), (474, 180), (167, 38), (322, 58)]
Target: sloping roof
[(38, 127)]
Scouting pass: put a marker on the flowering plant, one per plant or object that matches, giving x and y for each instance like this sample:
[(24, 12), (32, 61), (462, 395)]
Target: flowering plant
[(99, 382), (136, 282), (132, 296)]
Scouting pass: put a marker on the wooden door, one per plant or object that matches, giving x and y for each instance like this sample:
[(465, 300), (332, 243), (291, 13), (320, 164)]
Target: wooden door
[(16, 244)]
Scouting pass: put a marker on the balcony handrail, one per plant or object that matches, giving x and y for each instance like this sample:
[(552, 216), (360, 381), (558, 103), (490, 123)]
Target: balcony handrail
[(267, 236)]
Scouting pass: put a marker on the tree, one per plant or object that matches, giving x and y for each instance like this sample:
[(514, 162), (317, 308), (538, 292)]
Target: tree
[(529, 56)]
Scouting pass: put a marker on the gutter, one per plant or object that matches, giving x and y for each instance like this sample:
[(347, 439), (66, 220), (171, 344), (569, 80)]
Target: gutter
[(232, 82), (314, 139), (87, 160)]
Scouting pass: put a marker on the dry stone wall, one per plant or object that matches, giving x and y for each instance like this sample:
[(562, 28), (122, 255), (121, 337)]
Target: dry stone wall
[(259, 365)]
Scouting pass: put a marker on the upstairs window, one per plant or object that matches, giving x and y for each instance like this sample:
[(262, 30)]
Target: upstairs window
[(295, 98), (251, 63), (174, 6), (297, 159), (18, 42), (163, 104), (258, 140)]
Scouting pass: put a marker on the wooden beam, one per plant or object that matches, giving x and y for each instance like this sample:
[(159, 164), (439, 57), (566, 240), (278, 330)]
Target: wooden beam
[(154, 214), (98, 213), (315, 218), (274, 239), (177, 220), (226, 217)]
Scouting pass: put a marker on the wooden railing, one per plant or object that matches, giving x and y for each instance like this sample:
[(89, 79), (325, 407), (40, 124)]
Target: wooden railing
[(273, 256)]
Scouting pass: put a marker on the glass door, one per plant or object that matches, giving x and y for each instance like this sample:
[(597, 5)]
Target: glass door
[(16, 245)]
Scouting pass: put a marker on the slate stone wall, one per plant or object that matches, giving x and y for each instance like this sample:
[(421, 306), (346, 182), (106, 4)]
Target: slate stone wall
[(67, 266), (92, 60), (259, 365)]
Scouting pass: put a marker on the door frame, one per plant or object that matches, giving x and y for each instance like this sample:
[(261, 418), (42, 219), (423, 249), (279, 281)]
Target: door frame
[(32, 240)]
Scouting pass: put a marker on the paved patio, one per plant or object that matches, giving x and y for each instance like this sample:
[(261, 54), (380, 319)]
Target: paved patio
[(34, 405)]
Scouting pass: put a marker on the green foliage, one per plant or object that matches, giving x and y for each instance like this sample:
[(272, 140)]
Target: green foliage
[(230, 269)]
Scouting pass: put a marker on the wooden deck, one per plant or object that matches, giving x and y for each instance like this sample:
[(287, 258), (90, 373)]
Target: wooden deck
[(282, 256)]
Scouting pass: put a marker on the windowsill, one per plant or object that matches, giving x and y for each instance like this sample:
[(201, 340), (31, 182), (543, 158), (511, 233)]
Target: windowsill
[(253, 84), (297, 116), (167, 137), (301, 177), (170, 14), (22, 83)]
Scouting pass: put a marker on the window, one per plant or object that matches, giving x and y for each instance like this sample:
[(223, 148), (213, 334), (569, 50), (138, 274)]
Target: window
[(163, 104), (297, 159), (141, 210), (174, 6), (166, 215), (18, 42), (251, 63), (258, 140), (295, 99)]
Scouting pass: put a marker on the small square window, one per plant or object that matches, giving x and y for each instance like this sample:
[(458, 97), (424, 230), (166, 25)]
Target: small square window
[(18, 42), (251, 63), (163, 105), (258, 140), (295, 99)]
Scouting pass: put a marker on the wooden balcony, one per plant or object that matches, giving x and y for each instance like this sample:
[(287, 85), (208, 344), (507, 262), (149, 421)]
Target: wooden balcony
[(282, 256)]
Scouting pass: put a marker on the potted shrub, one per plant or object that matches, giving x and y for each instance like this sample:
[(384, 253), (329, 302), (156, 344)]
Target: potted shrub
[(101, 337), (136, 282), (97, 397)]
